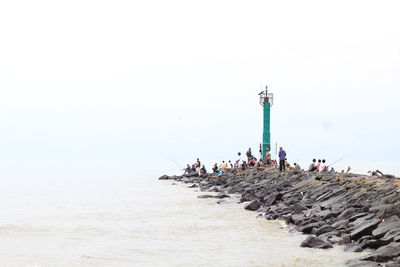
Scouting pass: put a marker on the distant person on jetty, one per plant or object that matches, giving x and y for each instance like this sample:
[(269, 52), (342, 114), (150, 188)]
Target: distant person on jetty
[(268, 159), (296, 166), (249, 155), (224, 166), (230, 164), (252, 162), (215, 168), (317, 165), (323, 167), (379, 174), (312, 166), (282, 159), (187, 170), (239, 162), (198, 164), (203, 171), (332, 170)]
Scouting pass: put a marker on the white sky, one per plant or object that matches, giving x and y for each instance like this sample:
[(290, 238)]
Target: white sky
[(166, 81)]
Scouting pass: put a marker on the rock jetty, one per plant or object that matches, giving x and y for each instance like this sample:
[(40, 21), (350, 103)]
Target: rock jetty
[(354, 211)]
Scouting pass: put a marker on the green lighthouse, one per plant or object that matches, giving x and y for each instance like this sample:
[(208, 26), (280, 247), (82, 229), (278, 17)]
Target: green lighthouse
[(266, 100)]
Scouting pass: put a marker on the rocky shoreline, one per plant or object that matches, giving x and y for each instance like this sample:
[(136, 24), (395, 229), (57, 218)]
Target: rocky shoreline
[(355, 211)]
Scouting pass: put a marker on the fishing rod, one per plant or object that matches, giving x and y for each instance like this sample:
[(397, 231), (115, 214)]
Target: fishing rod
[(173, 161), (342, 158)]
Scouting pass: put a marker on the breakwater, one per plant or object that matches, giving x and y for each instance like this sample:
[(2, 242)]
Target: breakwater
[(354, 211)]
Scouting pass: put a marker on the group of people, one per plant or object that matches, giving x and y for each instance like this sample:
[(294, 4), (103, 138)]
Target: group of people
[(241, 164), (319, 166), (196, 168)]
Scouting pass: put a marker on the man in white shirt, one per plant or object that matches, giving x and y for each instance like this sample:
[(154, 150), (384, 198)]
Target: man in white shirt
[(323, 167), (239, 162)]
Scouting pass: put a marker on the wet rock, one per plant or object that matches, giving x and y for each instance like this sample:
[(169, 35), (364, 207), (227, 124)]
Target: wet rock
[(328, 236), (324, 229), (343, 224), (353, 248), (193, 186), (309, 228), (192, 174), (221, 181), (315, 242), (384, 254), (374, 243), (346, 214), (390, 235), (164, 177), (363, 229), (288, 219), (206, 196), (297, 218), (270, 200), (387, 225), (358, 263), (357, 216), (255, 205), (222, 196)]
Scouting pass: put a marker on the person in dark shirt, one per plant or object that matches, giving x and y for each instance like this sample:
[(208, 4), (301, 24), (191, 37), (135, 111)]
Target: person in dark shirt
[(282, 158)]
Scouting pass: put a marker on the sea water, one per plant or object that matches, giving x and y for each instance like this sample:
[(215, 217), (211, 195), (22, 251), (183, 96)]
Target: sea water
[(56, 214)]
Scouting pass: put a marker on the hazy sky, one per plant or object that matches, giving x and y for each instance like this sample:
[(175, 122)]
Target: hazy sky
[(167, 81)]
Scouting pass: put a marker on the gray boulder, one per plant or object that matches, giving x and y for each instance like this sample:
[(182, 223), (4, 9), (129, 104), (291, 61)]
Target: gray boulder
[(363, 229), (255, 205), (315, 242), (324, 229), (384, 254), (386, 226)]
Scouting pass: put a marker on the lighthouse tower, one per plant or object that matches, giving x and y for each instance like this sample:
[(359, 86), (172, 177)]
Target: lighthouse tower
[(266, 100)]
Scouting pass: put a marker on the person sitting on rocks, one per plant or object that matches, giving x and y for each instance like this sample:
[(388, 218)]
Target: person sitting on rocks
[(296, 166), (268, 159), (379, 174), (203, 171), (313, 166), (249, 155), (187, 170), (223, 167), (274, 164), (259, 165), (194, 166), (252, 162), (287, 165), (332, 170), (348, 170), (323, 167), (230, 164), (317, 165), (215, 168), (244, 165)]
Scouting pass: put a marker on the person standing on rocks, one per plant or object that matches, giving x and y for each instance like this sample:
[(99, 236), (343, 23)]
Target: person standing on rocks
[(282, 158), (239, 162), (198, 164)]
